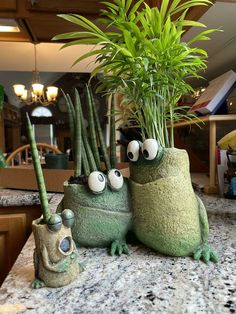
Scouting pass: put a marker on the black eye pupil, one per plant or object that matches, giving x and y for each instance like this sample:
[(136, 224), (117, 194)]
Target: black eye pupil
[(145, 153), (117, 173), (100, 178), (130, 155), (65, 245)]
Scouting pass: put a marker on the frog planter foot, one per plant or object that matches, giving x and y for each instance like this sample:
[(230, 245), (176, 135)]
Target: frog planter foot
[(168, 217), (205, 253), (119, 247), (101, 220), (55, 256), (37, 284)]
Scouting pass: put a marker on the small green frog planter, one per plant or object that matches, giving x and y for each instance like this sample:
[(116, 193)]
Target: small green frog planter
[(55, 255), (99, 198), (168, 216)]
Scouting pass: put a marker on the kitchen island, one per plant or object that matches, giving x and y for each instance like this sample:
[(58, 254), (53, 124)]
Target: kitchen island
[(143, 282)]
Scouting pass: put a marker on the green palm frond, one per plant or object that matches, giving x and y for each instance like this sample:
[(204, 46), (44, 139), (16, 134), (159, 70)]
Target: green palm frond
[(140, 51)]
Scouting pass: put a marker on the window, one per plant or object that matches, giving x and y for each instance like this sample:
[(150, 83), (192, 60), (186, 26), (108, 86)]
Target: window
[(41, 112)]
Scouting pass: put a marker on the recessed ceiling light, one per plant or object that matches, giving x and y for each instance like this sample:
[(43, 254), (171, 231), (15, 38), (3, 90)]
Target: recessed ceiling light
[(8, 26), (9, 29)]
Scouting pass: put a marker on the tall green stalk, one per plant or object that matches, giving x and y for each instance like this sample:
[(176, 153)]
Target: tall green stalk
[(100, 134), (78, 137), (71, 115), (85, 162), (93, 137), (112, 134), (38, 172), (87, 147)]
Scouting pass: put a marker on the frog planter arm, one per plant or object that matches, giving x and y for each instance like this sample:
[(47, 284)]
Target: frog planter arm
[(98, 194), (168, 216)]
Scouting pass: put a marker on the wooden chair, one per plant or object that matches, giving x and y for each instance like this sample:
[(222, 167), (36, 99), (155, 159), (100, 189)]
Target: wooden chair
[(24, 150)]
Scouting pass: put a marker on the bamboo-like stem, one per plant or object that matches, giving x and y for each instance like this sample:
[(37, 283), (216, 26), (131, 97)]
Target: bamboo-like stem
[(78, 136), (71, 120), (93, 138), (87, 147), (38, 172), (85, 162), (72, 108), (112, 134), (100, 135)]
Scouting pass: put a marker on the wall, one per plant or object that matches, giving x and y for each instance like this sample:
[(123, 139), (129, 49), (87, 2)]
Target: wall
[(20, 57)]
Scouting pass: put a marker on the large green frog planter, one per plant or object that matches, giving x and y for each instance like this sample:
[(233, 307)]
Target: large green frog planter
[(102, 211), (168, 216)]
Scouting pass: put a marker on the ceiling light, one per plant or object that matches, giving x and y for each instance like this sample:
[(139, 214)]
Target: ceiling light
[(9, 29), (36, 94), (9, 26)]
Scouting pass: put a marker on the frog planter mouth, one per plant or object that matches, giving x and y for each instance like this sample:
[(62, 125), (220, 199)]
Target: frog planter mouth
[(101, 219), (168, 216)]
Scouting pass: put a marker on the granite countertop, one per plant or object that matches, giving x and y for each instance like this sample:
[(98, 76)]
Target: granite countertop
[(9, 197), (143, 282)]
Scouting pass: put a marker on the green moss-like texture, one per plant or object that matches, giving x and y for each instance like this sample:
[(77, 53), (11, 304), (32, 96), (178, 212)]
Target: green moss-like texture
[(166, 210), (53, 267), (99, 219)]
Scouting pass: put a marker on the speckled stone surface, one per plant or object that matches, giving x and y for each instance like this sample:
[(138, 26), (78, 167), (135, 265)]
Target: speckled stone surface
[(10, 197), (144, 282)]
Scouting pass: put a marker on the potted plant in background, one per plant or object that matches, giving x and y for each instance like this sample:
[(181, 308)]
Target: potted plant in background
[(55, 256), (97, 193), (56, 161), (142, 57)]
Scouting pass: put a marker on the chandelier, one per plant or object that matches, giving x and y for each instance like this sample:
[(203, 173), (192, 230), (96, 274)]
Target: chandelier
[(36, 94)]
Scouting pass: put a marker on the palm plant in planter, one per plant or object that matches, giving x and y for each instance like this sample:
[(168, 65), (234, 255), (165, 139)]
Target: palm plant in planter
[(142, 57), (55, 256), (97, 194)]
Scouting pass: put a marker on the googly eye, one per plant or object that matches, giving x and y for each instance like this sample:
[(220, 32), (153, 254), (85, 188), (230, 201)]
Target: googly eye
[(54, 223), (133, 150), (68, 218), (150, 149), (97, 182), (115, 179)]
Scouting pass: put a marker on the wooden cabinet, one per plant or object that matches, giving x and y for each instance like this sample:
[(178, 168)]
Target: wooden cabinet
[(8, 5), (72, 6), (33, 15), (10, 126), (15, 228)]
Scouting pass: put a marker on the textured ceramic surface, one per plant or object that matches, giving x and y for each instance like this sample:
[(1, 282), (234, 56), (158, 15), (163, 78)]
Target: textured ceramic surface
[(55, 256), (100, 219), (168, 216)]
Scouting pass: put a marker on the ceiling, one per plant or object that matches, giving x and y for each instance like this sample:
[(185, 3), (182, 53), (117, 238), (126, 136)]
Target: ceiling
[(38, 20), (222, 46)]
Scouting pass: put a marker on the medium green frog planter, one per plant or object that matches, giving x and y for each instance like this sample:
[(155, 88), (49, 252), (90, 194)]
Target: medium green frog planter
[(168, 216), (97, 194), (102, 211)]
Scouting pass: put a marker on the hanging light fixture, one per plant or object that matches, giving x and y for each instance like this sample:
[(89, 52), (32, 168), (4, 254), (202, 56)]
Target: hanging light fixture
[(36, 93)]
